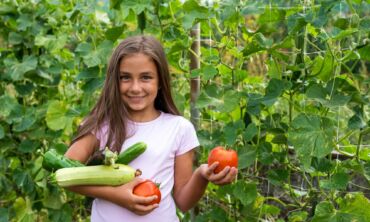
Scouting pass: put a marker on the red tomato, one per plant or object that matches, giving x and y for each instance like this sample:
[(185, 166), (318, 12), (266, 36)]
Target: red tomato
[(146, 189), (224, 157)]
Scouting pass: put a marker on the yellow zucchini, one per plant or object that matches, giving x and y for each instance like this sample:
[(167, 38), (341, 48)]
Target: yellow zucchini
[(113, 175)]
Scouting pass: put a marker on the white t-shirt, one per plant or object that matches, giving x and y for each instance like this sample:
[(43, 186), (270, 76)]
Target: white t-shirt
[(166, 137)]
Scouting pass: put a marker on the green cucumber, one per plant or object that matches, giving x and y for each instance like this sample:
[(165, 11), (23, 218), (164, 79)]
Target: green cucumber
[(131, 153), (54, 161)]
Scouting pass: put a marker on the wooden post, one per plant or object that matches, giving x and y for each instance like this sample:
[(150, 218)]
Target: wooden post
[(194, 92), (195, 82)]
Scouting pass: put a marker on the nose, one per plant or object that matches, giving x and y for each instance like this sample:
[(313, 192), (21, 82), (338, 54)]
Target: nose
[(135, 86)]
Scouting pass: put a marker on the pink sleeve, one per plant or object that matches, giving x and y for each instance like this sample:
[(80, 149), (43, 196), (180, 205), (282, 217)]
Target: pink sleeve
[(189, 139), (102, 135)]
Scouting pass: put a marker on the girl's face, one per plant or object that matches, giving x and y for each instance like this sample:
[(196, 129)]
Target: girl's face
[(139, 86)]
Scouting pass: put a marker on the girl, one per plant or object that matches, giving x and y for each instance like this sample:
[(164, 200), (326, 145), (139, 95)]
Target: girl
[(136, 105)]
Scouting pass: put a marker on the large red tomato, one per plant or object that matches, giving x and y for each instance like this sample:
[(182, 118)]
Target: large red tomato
[(224, 157), (146, 189)]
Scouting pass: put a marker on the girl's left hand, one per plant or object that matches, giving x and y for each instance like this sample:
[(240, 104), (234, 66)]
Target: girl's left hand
[(226, 176)]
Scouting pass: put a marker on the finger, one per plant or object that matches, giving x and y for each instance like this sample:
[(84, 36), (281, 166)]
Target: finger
[(144, 200), (220, 175), (229, 177), (145, 209), (212, 168)]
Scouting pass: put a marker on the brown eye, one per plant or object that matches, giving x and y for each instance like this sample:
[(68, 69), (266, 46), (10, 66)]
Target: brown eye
[(147, 77), (124, 77)]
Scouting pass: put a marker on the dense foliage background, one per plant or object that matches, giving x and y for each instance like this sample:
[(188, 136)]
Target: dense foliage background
[(286, 83)]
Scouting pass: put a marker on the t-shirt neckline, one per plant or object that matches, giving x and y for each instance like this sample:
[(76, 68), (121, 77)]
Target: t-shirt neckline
[(147, 122)]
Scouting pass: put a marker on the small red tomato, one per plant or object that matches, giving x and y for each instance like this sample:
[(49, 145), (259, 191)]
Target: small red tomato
[(224, 157), (146, 189)]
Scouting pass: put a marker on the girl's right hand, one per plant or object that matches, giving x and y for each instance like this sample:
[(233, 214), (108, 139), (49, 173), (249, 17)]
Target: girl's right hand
[(136, 204)]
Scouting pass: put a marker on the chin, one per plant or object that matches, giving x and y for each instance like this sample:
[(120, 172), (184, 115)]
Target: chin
[(136, 108)]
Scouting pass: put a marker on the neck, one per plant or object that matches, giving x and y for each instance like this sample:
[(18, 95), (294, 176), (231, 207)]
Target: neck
[(144, 117)]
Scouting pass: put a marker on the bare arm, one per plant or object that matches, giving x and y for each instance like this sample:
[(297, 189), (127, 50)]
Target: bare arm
[(122, 195), (190, 186)]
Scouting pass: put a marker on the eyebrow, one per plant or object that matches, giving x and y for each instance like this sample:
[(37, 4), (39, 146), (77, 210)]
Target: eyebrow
[(142, 73)]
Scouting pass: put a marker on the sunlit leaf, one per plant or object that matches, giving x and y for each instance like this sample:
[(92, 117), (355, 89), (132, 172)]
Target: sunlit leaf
[(312, 135), (56, 116), (193, 11)]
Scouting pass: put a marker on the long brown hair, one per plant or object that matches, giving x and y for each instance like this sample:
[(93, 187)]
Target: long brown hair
[(110, 109)]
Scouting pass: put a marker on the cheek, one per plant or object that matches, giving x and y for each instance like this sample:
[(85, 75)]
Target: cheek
[(122, 87)]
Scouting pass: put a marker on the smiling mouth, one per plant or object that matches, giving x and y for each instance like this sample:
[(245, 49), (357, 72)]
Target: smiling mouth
[(135, 98)]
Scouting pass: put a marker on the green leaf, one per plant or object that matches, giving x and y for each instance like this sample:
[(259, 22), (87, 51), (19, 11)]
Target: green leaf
[(257, 43), (245, 192), (16, 71), (365, 24), (2, 132), (93, 84), (88, 73), (271, 15), (365, 52), (312, 135), (254, 104), (54, 198), (24, 89), (317, 92), (61, 215), (209, 72), (84, 48), (274, 69), (15, 38), (250, 132), (265, 154), (366, 170), (231, 131), (324, 211), (230, 101), (323, 67), (277, 176), (7, 105), (344, 33), (356, 206), (24, 21), (56, 116), (4, 213), (353, 207), (193, 11), (51, 42), (23, 180), (100, 55), (270, 210), (205, 100), (274, 90), (322, 164), (26, 121), (246, 157), (338, 181), (298, 216), (28, 146), (114, 33), (356, 122)]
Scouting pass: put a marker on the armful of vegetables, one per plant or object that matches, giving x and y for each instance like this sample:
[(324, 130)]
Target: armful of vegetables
[(112, 172)]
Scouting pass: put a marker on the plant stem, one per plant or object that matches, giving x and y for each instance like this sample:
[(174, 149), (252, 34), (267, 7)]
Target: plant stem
[(358, 147), (290, 107)]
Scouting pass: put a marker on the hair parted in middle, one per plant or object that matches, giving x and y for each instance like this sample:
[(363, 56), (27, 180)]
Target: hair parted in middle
[(110, 108)]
